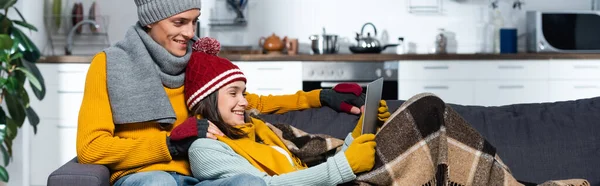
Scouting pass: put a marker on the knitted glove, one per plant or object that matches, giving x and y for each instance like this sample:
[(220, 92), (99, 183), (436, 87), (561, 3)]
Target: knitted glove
[(342, 97), (361, 153), (382, 115), (185, 134)]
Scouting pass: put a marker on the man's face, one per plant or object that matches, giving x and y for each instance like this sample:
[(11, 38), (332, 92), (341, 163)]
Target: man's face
[(175, 32)]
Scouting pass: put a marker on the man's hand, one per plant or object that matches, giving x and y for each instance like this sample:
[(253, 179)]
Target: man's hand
[(345, 97), (186, 133)]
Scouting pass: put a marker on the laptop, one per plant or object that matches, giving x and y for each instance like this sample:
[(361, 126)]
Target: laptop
[(373, 96)]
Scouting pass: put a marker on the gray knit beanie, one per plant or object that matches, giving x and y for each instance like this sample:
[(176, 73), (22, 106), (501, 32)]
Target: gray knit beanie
[(151, 11)]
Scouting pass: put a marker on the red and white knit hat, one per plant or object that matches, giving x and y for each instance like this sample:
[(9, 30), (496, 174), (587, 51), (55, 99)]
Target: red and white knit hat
[(206, 72)]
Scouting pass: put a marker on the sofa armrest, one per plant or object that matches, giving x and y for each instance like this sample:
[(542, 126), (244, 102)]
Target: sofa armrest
[(73, 173)]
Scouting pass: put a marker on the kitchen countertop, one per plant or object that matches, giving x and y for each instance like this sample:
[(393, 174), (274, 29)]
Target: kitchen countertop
[(361, 57)]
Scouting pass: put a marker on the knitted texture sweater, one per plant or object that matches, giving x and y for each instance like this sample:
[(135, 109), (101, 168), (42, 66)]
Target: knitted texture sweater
[(211, 159), (137, 147)]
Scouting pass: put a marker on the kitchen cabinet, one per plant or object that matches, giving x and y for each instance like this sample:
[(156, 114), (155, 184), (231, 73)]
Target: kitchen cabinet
[(54, 143), (476, 82), (272, 77), (574, 79)]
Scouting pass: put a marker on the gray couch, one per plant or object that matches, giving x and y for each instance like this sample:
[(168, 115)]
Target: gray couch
[(538, 142)]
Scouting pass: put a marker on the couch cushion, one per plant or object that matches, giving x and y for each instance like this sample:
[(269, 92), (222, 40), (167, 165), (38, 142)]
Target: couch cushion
[(538, 142)]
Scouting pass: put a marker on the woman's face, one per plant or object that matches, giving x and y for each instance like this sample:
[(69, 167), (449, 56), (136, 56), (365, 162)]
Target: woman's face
[(173, 33), (232, 103)]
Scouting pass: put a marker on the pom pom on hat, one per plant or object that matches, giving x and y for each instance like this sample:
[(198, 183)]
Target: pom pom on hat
[(207, 45)]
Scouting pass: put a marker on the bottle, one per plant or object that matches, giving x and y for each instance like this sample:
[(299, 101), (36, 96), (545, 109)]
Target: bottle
[(400, 47)]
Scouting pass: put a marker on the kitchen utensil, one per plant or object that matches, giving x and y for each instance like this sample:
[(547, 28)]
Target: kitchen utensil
[(92, 16), (77, 15), (368, 43), (271, 44), (237, 7), (441, 41), (324, 43)]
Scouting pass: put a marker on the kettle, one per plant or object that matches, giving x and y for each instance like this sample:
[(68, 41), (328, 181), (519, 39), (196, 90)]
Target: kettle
[(368, 43)]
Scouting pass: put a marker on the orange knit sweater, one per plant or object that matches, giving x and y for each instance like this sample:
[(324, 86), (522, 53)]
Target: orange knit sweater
[(139, 147)]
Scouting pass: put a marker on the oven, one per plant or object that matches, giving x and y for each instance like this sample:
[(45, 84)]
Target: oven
[(326, 74)]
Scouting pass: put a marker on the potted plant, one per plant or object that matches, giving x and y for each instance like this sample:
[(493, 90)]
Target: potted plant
[(17, 65)]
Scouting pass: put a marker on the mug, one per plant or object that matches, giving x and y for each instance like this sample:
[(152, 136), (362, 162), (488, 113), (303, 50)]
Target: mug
[(292, 46)]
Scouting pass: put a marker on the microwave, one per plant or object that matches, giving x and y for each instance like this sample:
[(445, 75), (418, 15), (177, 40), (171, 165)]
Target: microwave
[(563, 31)]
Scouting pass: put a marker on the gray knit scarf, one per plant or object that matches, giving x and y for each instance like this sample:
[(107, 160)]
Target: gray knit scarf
[(137, 68)]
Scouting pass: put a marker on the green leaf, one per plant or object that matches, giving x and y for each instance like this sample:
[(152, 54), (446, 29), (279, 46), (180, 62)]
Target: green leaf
[(39, 93), (16, 56), (5, 155), (11, 130), (5, 24), (8, 144), (2, 82), (33, 118), (6, 42), (15, 109), (32, 79), (3, 174), (26, 25), (4, 4), (24, 45)]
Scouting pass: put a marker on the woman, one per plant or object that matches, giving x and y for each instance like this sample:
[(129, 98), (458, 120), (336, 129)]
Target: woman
[(133, 98), (249, 146), (424, 142)]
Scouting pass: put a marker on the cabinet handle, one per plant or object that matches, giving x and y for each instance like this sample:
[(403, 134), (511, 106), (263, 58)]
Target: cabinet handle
[(585, 66), (269, 68), (441, 87), (585, 87), (511, 87), (511, 67), (443, 67)]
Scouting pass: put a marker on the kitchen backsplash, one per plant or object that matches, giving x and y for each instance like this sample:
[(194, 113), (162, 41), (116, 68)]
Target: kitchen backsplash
[(463, 20)]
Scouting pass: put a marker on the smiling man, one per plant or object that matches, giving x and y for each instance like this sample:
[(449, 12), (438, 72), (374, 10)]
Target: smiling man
[(134, 98)]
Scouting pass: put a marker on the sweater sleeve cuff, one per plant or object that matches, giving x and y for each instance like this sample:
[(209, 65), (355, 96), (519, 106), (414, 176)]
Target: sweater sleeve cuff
[(314, 98), (344, 167), (349, 139)]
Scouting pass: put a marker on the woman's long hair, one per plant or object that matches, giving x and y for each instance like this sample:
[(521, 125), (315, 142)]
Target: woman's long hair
[(208, 109)]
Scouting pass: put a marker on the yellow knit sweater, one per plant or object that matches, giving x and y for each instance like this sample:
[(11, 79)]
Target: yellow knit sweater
[(139, 147)]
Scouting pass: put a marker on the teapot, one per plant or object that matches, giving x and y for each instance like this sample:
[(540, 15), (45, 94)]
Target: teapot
[(272, 44), (368, 43)]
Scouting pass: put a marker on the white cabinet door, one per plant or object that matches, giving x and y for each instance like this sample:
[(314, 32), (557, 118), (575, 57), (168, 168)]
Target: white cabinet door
[(458, 92), (563, 90), (436, 70), (574, 69), (512, 69), (504, 92), (274, 78)]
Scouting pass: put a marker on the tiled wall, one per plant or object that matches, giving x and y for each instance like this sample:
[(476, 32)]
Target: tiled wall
[(464, 19)]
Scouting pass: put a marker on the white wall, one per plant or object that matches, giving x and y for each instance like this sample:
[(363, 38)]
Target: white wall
[(301, 18)]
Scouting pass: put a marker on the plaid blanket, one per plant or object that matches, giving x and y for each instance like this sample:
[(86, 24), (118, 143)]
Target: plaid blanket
[(427, 143), (423, 143)]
